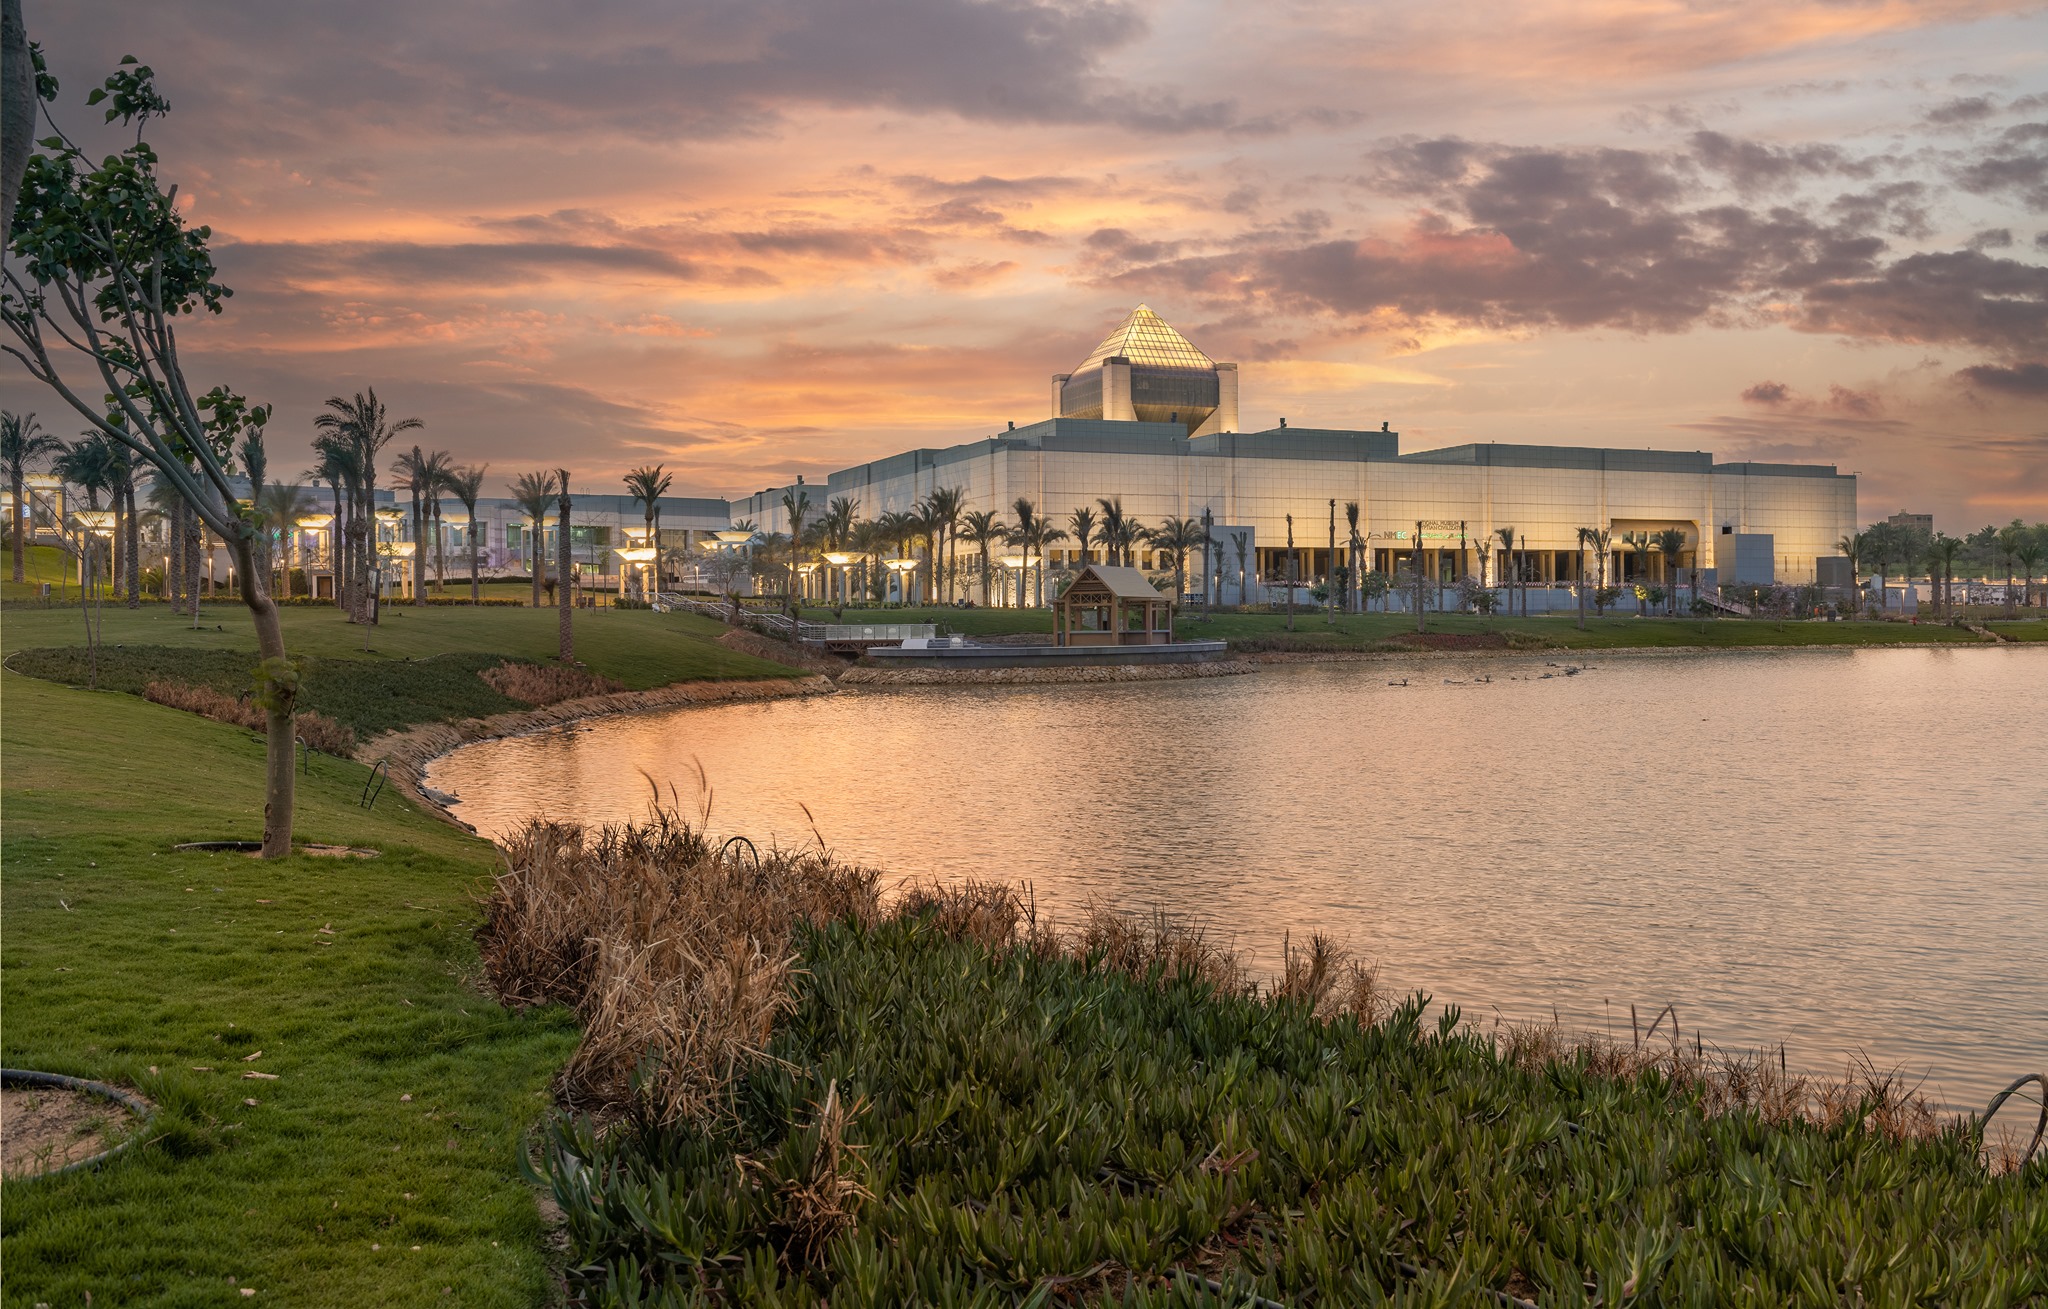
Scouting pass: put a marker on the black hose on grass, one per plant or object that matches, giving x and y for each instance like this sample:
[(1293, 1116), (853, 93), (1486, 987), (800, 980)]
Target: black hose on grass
[(1998, 1102), (143, 1110)]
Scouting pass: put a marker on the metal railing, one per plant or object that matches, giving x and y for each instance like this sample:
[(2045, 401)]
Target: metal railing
[(821, 632)]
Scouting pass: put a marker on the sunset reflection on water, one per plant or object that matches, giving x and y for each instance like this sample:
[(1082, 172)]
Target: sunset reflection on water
[(1842, 851)]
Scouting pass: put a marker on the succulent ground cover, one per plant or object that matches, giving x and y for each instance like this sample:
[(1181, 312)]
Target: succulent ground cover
[(956, 1104)]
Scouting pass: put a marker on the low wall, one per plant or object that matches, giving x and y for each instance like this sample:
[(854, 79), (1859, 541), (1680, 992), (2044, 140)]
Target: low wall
[(959, 658), (865, 675)]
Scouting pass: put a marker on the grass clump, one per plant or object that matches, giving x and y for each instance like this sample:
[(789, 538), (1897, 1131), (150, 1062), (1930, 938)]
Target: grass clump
[(675, 954), (960, 1103), (545, 684), (316, 730)]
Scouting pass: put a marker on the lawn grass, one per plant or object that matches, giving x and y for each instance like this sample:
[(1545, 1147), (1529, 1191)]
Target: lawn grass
[(636, 647), (1362, 631), (39, 564), (422, 665), (121, 955)]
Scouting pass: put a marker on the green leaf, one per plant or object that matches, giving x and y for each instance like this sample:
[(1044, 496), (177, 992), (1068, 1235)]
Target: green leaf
[(99, 93)]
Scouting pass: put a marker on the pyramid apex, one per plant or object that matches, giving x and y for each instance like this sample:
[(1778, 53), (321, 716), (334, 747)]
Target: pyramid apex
[(1145, 338)]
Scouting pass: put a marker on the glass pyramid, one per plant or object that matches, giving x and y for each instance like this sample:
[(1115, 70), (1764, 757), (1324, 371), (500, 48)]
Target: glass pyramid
[(1147, 339)]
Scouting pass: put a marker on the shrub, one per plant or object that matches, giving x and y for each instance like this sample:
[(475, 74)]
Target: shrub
[(463, 600), (317, 730), (545, 684)]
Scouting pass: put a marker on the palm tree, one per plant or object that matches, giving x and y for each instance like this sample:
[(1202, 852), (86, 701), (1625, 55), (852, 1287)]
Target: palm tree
[(2028, 553), (1117, 532), (1081, 524), (281, 505), (1589, 538), (22, 443), (1942, 550), (1027, 534), (91, 465), (362, 423), (838, 530), (1507, 546), (340, 467), (1670, 543), (426, 476), (1289, 579), (1850, 547), (943, 508), (1355, 584), (1177, 536), (983, 529), (1240, 540), (1601, 539), (1880, 547), (131, 529), (532, 492), (2009, 540), (566, 572), (466, 484), (647, 484), (796, 502), (441, 471)]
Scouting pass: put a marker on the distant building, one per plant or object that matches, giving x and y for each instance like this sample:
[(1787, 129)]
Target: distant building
[(1922, 524)]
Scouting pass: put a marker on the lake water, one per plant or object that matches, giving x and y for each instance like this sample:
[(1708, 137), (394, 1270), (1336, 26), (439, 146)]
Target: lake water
[(1846, 852)]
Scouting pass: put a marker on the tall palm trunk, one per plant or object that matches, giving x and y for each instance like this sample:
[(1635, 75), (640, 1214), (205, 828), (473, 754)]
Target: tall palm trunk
[(132, 574), (565, 609), (191, 546), (537, 556), (475, 531), (21, 521)]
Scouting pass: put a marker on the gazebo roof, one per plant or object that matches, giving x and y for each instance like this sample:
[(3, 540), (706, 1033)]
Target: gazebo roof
[(1123, 583)]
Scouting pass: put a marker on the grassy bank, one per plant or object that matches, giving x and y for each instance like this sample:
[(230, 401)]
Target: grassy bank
[(122, 956), (960, 1105), (1369, 631), (422, 665)]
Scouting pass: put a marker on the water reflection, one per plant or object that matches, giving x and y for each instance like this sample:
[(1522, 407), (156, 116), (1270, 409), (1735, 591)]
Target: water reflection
[(1840, 850)]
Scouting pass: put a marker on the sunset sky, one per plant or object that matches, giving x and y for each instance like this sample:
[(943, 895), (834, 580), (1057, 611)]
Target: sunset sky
[(766, 238)]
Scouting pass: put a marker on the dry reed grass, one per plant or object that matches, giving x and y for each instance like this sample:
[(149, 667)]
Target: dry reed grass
[(316, 730), (546, 684), (675, 955)]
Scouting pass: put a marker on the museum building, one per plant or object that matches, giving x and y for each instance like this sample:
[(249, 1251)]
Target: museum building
[(1150, 419)]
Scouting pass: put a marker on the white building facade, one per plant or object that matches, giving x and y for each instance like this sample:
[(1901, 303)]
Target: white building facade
[(1150, 420)]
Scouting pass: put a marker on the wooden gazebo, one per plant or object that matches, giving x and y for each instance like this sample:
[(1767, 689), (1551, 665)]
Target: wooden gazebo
[(1107, 605)]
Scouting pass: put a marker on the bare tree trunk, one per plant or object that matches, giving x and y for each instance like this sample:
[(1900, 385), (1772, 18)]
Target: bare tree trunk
[(277, 691), (474, 532), (567, 570)]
